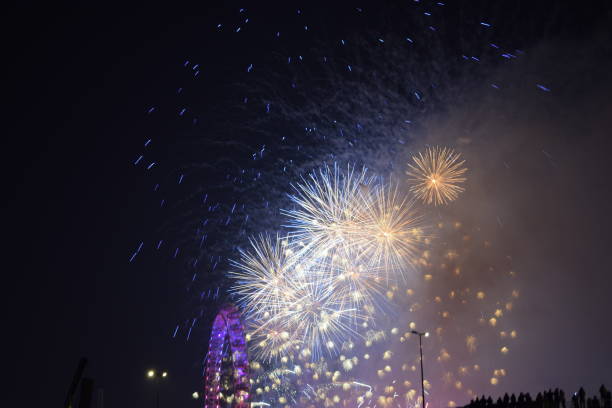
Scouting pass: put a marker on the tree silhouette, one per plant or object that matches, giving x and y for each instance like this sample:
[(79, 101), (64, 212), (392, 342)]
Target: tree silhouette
[(546, 399)]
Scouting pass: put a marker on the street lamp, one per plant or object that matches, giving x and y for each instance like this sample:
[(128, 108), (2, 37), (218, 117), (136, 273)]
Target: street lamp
[(426, 334), (153, 376)]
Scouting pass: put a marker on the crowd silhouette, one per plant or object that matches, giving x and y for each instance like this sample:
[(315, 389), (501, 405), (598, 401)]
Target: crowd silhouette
[(546, 399)]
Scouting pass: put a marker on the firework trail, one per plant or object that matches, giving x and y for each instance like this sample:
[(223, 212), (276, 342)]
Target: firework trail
[(329, 209), (344, 210), (392, 232), (288, 299), (264, 277)]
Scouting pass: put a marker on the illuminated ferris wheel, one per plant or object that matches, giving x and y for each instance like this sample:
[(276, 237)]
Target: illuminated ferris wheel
[(227, 334)]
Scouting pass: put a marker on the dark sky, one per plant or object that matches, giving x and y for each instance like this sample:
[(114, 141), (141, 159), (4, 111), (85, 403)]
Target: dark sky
[(79, 80)]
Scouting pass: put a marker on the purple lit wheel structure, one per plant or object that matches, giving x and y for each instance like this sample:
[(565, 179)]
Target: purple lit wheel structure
[(227, 326)]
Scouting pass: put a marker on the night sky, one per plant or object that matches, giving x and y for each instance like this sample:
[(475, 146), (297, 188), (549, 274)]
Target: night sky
[(81, 80)]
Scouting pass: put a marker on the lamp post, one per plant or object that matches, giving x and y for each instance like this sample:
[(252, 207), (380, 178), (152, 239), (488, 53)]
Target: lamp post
[(426, 334), (156, 377)]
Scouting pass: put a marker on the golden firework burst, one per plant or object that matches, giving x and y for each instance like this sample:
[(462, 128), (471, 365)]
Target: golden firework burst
[(436, 175)]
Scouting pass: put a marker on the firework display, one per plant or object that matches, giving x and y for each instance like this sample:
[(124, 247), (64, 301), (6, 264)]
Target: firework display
[(379, 366), (334, 219), (347, 241), (347, 214), (330, 318)]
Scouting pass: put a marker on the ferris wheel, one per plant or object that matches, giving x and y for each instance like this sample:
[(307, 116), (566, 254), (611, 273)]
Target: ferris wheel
[(227, 330)]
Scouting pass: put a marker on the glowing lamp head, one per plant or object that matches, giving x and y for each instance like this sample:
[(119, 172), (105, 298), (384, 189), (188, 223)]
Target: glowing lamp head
[(151, 373), (426, 334)]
